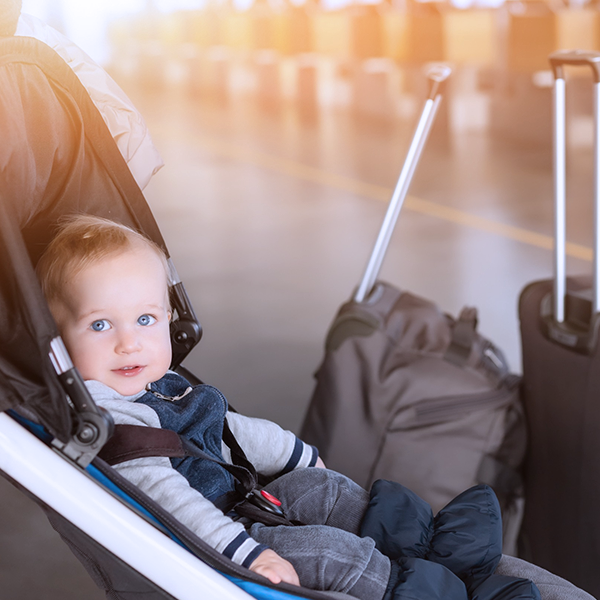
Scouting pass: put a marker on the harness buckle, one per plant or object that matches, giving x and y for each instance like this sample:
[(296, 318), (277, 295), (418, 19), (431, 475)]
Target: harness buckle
[(266, 501)]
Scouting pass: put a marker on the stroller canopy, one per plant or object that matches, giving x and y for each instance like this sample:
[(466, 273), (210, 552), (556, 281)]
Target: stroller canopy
[(57, 157)]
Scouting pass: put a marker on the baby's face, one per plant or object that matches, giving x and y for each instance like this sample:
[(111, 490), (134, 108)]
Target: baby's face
[(115, 320)]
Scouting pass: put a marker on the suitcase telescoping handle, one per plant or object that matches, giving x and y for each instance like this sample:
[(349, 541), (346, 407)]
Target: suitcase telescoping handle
[(437, 76), (558, 60)]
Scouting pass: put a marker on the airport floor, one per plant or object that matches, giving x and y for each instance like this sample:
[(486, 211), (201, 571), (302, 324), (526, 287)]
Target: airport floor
[(270, 217)]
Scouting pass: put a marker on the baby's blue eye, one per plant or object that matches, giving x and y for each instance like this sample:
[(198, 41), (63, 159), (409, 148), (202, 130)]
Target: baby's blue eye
[(146, 320), (100, 325)]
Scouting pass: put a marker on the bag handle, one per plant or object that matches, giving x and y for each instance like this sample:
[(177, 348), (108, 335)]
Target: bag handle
[(463, 335)]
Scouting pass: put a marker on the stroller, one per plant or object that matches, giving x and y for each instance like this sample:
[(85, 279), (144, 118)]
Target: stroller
[(58, 158)]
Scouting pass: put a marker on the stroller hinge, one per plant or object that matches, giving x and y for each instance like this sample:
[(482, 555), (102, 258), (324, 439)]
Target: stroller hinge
[(91, 433), (92, 425)]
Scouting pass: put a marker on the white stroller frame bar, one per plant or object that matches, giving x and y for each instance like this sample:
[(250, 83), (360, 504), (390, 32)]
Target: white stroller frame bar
[(107, 520)]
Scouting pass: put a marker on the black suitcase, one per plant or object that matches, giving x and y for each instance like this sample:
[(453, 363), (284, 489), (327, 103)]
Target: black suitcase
[(561, 392), (408, 393)]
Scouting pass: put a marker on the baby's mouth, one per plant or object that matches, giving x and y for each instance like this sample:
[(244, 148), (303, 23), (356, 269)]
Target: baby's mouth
[(129, 371)]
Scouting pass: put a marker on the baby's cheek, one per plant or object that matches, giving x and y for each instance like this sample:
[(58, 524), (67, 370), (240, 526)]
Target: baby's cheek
[(85, 364), (166, 354)]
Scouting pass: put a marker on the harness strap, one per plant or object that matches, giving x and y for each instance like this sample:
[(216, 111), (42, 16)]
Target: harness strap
[(129, 442), (138, 441)]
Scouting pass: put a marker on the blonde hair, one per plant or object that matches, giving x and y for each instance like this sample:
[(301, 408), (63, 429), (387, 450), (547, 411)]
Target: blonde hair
[(81, 241)]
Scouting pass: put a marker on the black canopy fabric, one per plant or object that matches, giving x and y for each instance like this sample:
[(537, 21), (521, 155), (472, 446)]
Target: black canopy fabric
[(57, 157)]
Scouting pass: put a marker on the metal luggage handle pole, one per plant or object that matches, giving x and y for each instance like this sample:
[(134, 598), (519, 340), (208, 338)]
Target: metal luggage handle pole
[(558, 60), (437, 76)]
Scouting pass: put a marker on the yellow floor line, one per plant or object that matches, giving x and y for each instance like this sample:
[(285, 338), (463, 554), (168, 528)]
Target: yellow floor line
[(381, 193)]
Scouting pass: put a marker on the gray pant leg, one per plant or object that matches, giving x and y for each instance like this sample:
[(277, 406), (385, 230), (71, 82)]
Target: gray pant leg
[(327, 558), (326, 553), (321, 497)]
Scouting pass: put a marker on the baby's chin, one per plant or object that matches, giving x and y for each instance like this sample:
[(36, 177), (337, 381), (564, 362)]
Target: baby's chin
[(133, 380), (131, 389)]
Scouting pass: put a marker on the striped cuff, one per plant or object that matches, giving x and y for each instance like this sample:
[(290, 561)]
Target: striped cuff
[(253, 555), (243, 550), (295, 457), (303, 455), (234, 546)]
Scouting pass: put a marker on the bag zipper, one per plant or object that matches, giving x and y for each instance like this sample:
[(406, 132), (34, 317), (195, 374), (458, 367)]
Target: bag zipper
[(438, 410)]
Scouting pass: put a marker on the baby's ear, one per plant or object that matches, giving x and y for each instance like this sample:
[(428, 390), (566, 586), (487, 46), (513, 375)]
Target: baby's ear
[(169, 315)]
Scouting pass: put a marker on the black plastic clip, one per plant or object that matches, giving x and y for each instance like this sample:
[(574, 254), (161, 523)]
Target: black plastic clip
[(266, 501)]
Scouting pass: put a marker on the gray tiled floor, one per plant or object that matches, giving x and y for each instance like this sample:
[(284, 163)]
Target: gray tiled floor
[(270, 223)]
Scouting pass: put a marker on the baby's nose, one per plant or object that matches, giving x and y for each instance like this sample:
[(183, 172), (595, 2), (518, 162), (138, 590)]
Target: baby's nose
[(128, 343)]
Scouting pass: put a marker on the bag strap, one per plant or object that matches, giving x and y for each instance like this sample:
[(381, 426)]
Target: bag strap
[(506, 481), (463, 336)]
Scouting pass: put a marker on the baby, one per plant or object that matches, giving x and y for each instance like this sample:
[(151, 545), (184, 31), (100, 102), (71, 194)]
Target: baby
[(107, 287)]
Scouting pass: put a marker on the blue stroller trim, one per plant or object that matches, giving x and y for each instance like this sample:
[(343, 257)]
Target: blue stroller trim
[(254, 589)]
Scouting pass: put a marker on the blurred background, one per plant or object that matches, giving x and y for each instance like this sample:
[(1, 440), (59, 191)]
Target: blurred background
[(283, 127)]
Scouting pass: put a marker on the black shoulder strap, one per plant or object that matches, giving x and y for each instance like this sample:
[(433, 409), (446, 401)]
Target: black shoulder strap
[(138, 441), (238, 457)]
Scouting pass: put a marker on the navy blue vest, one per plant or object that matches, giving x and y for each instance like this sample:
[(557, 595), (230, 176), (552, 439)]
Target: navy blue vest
[(199, 416)]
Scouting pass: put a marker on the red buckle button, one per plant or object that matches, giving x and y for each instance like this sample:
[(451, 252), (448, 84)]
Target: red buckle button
[(270, 498)]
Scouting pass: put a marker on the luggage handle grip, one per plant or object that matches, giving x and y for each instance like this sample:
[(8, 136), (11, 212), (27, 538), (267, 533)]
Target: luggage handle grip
[(437, 76), (576, 58), (557, 61)]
